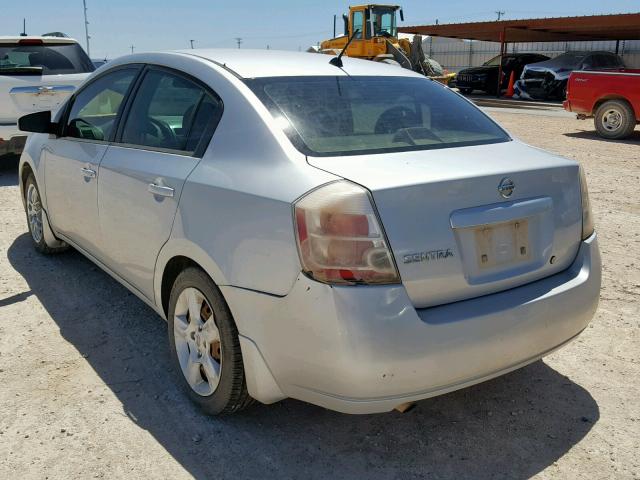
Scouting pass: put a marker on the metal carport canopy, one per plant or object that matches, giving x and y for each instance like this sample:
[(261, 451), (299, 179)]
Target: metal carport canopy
[(623, 26)]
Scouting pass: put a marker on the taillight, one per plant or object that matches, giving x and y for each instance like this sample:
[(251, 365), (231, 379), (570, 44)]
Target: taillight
[(340, 239), (587, 216)]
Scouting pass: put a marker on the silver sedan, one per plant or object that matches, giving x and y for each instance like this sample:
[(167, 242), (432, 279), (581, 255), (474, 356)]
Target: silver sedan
[(357, 237)]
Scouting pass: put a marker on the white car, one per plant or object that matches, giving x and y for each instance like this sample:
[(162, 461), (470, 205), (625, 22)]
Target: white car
[(357, 237), (36, 73)]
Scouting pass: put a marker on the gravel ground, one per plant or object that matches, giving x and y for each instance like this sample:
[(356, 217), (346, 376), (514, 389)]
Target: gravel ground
[(86, 390)]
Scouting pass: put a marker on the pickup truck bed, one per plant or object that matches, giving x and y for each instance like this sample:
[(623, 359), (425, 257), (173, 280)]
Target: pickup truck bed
[(611, 98)]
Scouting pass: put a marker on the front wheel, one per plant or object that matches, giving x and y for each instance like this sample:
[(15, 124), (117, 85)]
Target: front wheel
[(36, 218), (204, 345), (615, 119)]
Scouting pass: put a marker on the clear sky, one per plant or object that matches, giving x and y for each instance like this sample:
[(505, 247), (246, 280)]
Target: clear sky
[(115, 25)]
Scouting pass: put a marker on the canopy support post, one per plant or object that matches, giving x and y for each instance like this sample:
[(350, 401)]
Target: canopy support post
[(503, 51)]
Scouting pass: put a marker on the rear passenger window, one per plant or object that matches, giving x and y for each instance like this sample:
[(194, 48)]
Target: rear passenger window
[(170, 112), (606, 61), (95, 108)]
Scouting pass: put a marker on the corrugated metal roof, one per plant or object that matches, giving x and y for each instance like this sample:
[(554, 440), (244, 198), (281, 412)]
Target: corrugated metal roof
[(622, 26)]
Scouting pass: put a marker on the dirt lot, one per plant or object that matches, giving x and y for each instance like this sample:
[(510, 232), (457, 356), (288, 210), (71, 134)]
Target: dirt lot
[(86, 390)]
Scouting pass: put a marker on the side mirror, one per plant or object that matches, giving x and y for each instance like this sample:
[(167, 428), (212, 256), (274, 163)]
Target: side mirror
[(345, 19), (401, 15), (39, 122)]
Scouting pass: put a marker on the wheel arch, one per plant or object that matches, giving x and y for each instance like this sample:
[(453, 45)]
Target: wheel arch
[(607, 98), (174, 257), (25, 170)]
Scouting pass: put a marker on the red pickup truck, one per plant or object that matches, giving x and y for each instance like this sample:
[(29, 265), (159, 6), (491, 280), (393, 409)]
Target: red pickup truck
[(611, 98)]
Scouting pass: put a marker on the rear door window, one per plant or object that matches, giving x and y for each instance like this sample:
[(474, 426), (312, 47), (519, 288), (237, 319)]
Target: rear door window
[(43, 59), (606, 61), (171, 112), (95, 108)]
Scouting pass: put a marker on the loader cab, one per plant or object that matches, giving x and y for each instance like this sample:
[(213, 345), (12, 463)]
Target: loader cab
[(374, 23)]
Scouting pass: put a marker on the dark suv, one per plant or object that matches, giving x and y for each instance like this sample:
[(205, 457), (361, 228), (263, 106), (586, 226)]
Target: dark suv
[(485, 78)]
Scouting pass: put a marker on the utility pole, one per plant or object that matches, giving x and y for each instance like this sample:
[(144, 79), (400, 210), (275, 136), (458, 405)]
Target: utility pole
[(500, 14), (191, 43), (24, 28), (132, 47), (238, 41), (334, 26), (86, 26)]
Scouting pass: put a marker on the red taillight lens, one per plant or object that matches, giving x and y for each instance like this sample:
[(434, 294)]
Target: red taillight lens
[(340, 239)]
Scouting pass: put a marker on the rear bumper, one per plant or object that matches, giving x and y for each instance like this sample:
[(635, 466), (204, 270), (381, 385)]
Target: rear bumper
[(12, 140), (367, 350)]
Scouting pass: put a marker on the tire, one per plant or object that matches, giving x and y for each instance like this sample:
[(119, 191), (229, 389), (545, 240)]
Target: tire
[(466, 91), (35, 218), (615, 119), (206, 356)]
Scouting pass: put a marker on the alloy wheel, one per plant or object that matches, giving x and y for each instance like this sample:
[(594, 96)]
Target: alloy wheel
[(34, 213), (197, 341)]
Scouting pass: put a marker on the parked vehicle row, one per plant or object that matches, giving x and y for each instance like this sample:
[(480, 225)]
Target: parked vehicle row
[(357, 237), (537, 76), (36, 73), (485, 77)]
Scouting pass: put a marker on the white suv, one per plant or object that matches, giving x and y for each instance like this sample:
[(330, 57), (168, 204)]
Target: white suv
[(36, 73)]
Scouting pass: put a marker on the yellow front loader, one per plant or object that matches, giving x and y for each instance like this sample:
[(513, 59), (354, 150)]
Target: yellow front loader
[(375, 37)]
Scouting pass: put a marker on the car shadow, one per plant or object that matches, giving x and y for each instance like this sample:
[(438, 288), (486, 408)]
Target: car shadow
[(593, 135), (8, 170), (511, 427)]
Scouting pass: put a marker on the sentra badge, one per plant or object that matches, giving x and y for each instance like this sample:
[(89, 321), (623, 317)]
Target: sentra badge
[(430, 256)]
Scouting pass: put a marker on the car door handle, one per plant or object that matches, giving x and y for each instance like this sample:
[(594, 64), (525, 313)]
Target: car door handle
[(161, 190), (88, 173)]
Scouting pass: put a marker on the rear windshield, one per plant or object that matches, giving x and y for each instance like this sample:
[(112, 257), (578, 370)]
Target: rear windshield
[(48, 59), (332, 116)]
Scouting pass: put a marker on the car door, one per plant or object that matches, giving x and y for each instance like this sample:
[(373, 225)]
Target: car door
[(167, 126), (71, 160)]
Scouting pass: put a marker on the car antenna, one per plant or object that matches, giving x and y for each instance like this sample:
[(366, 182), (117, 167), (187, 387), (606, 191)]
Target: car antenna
[(337, 61)]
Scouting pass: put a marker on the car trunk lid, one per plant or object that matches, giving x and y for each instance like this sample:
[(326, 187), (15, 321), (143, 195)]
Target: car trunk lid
[(453, 233)]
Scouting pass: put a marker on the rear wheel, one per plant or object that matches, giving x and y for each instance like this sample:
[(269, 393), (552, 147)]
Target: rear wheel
[(204, 345), (36, 218), (615, 119)]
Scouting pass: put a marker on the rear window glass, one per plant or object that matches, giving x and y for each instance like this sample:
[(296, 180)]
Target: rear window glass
[(331, 116), (47, 59)]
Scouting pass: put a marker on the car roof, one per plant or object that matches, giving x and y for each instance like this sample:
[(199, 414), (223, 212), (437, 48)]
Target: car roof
[(248, 63), (4, 40)]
